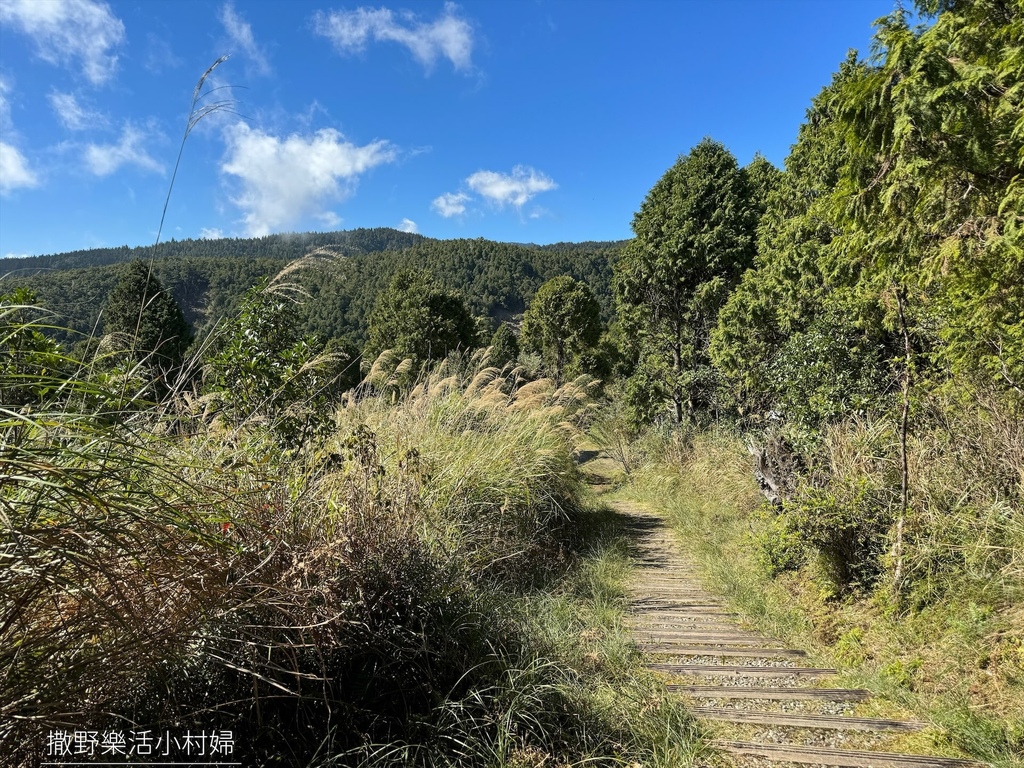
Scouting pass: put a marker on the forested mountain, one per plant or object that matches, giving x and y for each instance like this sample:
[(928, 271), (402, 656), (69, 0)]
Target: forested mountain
[(342, 279), (285, 246)]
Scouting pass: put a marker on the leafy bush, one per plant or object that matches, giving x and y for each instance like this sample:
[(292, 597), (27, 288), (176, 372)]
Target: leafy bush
[(846, 525), (825, 374), (264, 369), (780, 547)]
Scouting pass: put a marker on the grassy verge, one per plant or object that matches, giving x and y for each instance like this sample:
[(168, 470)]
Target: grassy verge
[(582, 624), (954, 664)]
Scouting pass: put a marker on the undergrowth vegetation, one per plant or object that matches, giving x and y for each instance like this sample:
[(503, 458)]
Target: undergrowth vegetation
[(819, 570), (413, 582)]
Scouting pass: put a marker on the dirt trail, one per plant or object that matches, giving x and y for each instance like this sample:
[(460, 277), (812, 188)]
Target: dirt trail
[(766, 703)]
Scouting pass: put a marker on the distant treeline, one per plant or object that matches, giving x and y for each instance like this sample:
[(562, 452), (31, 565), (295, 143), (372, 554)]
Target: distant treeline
[(343, 279)]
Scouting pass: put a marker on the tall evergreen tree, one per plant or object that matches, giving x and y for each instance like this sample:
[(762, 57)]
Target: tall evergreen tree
[(504, 346), (148, 319), (415, 317), (694, 237), (563, 319), (933, 202), (800, 280)]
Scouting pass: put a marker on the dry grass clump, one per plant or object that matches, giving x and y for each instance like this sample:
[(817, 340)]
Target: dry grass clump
[(311, 601)]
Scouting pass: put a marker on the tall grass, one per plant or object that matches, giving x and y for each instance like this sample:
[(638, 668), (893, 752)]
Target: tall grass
[(384, 594)]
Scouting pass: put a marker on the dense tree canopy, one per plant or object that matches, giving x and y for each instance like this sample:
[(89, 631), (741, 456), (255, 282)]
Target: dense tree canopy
[(415, 317), (895, 233), (934, 193), (208, 278), (146, 319), (796, 279)]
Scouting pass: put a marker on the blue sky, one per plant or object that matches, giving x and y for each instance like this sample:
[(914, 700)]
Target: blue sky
[(526, 121)]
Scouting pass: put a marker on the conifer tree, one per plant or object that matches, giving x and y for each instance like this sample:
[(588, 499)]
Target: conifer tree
[(417, 318), (694, 238), (563, 320), (504, 346), (148, 319)]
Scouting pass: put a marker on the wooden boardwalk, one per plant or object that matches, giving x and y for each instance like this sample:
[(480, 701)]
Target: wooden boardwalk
[(748, 683)]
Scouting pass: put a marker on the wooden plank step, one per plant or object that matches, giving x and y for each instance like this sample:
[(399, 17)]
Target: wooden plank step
[(660, 589), (715, 670), (675, 608), (774, 694), (692, 642), (665, 602), (688, 627), (662, 597), (706, 638), (798, 720), (686, 620), (841, 757), (665, 573), (711, 650), (658, 602), (683, 614), (672, 625)]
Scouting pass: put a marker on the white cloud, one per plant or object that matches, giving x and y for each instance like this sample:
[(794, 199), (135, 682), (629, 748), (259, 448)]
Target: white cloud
[(104, 159), (240, 32), (73, 115), (12, 255), (449, 36), (450, 204), (69, 30), (329, 219), (516, 189), (211, 233), (284, 180), (14, 170), (408, 225)]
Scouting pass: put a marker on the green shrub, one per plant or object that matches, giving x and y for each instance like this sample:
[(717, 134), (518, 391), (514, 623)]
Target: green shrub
[(264, 370), (846, 525), (780, 547)]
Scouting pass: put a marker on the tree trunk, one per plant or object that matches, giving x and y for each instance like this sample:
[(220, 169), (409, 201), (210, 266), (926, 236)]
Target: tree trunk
[(677, 390), (897, 547)]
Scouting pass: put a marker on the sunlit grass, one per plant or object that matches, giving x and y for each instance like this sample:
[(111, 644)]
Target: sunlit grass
[(425, 578), (953, 663)]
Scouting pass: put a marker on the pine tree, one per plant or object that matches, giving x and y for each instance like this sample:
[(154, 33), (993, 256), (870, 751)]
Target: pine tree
[(694, 238), (148, 320)]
